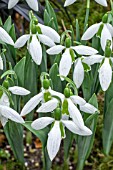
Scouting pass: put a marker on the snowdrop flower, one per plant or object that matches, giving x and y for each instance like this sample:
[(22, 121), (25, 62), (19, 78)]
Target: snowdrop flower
[(105, 70), (8, 113), (69, 107), (57, 132), (32, 3), (105, 28), (45, 35), (5, 37), (67, 60), (101, 2), (49, 103), (19, 90)]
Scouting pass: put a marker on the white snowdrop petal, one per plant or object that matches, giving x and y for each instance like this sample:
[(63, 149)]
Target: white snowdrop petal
[(110, 28), (12, 3), (41, 123), (19, 90), (48, 106), (58, 94), (4, 120), (11, 114), (84, 50), (1, 63), (75, 114), (93, 59), (4, 100), (21, 41), (88, 108), (46, 40), (4, 36), (31, 104), (65, 117), (77, 100), (78, 74), (105, 35), (50, 32), (69, 2), (55, 49), (105, 74), (33, 4), (75, 129), (65, 63), (54, 140), (102, 2), (35, 50), (91, 31)]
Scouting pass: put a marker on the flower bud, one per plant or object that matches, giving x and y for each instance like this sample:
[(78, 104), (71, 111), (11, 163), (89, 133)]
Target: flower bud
[(6, 84), (67, 92), (105, 18), (46, 84), (57, 113), (68, 42)]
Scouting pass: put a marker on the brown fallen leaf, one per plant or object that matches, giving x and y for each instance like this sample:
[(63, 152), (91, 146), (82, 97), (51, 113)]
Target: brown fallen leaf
[(38, 143), (2, 139)]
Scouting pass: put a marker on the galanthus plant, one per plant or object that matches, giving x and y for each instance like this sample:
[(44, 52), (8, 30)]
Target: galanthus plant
[(51, 86)]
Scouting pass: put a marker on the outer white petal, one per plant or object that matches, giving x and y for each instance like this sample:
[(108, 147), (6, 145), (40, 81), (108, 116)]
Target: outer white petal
[(84, 50), (35, 50), (75, 114), (58, 94), (48, 106), (12, 3), (4, 100), (3, 120), (102, 2), (11, 114), (78, 74), (31, 104), (65, 63), (75, 129), (4, 36), (33, 4), (69, 2), (55, 49), (50, 32), (54, 140), (21, 41), (46, 40), (77, 100), (93, 59), (65, 117), (88, 108), (105, 74), (110, 28), (91, 31), (1, 63), (105, 35), (19, 90), (42, 122)]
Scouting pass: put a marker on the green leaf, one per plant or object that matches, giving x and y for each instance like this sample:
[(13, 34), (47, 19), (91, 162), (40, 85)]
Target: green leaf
[(14, 134), (19, 70), (107, 135), (53, 20), (8, 72), (85, 143), (7, 24), (56, 81)]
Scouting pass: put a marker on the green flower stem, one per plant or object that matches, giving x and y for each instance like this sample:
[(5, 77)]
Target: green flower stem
[(87, 15)]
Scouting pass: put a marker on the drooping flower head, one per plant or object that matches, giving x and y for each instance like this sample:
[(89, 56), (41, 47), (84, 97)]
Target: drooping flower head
[(38, 33), (72, 54), (101, 2), (32, 3)]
